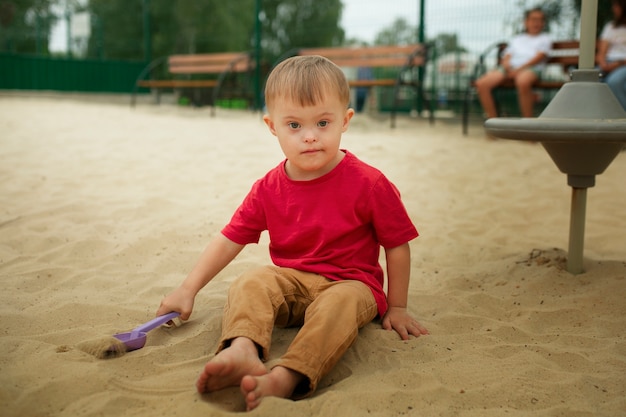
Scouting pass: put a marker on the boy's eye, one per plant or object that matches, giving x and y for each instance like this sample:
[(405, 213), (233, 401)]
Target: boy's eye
[(323, 123), (294, 125)]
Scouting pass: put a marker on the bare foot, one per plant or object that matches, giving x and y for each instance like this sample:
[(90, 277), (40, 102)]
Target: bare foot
[(229, 366), (280, 382)]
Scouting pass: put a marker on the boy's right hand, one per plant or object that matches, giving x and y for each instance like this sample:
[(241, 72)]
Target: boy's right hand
[(180, 300)]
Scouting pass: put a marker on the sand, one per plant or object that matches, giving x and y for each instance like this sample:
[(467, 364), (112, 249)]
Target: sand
[(105, 209)]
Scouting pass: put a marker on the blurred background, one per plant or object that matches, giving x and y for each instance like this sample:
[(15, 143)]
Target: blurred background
[(102, 46)]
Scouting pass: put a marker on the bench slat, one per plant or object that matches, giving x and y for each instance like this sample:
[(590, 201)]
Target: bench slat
[(382, 56), (176, 83), (208, 68), (214, 58), (373, 83), (364, 52), (375, 62)]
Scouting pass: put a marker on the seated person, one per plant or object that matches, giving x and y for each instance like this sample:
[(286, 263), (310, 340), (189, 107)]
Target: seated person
[(611, 56), (523, 61)]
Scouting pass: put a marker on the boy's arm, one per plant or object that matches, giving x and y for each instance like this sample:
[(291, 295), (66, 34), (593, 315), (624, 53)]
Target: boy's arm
[(603, 47), (506, 62), (537, 59), (218, 253), (398, 273)]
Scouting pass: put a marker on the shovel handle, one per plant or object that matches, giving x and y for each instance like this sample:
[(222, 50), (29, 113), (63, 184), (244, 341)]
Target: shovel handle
[(156, 322)]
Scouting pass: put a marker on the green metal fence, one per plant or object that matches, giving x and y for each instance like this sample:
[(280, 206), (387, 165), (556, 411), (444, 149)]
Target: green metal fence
[(30, 72)]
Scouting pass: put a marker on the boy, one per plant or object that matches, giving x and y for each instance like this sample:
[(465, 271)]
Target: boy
[(327, 214), (523, 62)]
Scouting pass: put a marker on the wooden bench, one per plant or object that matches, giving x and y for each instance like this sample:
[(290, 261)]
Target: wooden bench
[(563, 54), (404, 58), (219, 66)]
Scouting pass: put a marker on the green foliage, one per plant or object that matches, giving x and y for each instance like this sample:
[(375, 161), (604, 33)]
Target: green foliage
[(117, 28), (288, 24), (189, 26), (553, 10), (25, 26), (213, 25), (174, 27), (186, 26), (604, 13), (399, 33), (448, 42)]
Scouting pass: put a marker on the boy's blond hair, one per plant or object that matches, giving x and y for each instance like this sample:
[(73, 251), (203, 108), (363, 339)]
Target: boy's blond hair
[(305, 80)]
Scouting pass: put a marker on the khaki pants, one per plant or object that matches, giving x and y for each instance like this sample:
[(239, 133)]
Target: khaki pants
[(330, 314)]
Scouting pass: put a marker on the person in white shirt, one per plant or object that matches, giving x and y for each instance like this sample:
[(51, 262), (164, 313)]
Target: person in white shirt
[(523, 61), (611, 54)]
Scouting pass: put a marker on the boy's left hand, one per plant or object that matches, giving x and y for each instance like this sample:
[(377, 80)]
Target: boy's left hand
[(398, 319)]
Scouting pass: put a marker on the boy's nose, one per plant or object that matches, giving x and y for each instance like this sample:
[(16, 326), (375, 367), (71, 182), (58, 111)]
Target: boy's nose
[(309, 136)]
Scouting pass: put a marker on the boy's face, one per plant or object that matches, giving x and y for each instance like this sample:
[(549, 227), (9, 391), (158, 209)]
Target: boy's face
[(534, 22), (309, 136)]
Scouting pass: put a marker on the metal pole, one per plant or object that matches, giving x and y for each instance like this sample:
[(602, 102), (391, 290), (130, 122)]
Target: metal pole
[(577, 231), (147, 37), (589, 13), (68, 31), (586, 60), (420, 39), (257, 56), (421, 19), (37, 33)]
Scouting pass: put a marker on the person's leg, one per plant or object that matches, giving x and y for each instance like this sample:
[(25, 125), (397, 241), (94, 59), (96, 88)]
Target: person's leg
[(484, 88), (361, 96), (330, 327), (616, 80), (524, 81), (255, 302)]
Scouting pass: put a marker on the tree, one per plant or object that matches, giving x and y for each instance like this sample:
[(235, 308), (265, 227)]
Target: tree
[(288, 24), (604, 13), (117, 29), (25, 25), (175, 27), (399, 33), (212, 26), (448, 42)]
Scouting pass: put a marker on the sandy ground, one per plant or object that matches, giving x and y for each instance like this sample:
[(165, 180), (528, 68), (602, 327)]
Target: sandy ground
[(105, 209)]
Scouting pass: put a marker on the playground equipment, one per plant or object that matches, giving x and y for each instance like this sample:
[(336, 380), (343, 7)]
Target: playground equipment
[(583, 129)]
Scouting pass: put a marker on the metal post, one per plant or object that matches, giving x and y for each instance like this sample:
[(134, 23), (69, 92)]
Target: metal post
[(147, 36), (421, 39), (421, 19), (577, 231), (37, 33), (257, 56), (68, 31), (589, 13)]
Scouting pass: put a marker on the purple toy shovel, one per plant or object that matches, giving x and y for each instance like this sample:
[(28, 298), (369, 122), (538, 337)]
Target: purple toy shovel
[(136, 338)]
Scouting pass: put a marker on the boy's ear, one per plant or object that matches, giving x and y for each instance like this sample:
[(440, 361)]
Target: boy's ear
[(347, 118), (270, 124)]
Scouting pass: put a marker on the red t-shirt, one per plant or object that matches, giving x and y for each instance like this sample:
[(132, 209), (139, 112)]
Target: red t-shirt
[(333, 225)]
